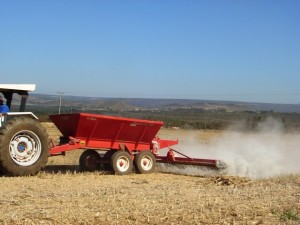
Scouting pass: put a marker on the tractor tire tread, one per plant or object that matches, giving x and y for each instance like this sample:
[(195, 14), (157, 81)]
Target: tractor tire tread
[(11, 127)]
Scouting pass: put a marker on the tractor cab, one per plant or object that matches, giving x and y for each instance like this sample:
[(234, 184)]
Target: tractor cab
[(24, 142), (8, 91), (22, 90)]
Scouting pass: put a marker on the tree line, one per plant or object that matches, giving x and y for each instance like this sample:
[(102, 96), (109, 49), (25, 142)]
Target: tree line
[(191, 118)]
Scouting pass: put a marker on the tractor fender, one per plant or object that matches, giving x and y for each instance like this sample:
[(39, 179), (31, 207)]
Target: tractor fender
[(6, 116), (28, 114)]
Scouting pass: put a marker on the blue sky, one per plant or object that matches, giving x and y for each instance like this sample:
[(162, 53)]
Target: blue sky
[(216, 50)]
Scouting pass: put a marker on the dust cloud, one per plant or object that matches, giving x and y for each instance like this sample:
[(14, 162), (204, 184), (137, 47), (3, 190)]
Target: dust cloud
[(267, 152)]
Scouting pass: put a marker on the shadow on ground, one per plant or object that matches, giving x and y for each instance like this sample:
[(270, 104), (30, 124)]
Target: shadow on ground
[(67, 169), (62, 169)]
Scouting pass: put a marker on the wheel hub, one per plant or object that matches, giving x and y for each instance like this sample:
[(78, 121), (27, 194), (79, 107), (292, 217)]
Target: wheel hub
[(123, 164), (25, 148), (146, 163), (22, 147), (91, 162)]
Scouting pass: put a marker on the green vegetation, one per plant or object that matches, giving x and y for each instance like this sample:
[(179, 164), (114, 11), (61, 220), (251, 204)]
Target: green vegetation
[(290, 215), (287, 214)]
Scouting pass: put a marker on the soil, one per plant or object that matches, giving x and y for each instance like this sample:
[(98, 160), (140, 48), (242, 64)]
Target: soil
[(62, 195)]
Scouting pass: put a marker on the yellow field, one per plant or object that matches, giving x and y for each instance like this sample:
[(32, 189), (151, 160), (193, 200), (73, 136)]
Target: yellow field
[(62, 195)]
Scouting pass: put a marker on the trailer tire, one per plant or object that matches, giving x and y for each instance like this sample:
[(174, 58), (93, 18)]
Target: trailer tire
[(89, 161), (121, 163), (24, 147), (145, 162), (107, 158)]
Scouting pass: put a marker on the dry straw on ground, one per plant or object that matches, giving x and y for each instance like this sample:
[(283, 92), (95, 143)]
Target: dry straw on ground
[(96, 198), (62, 195)]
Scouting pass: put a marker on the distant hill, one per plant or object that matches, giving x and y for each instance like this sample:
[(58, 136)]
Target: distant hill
[(93, 103)]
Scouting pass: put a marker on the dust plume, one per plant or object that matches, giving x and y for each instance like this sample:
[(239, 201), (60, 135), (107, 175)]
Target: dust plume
[(267, 152)]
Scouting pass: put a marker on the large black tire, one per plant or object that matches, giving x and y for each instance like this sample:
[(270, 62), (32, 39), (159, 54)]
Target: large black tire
[(24, 147), (89, 161), (107, 160), (121, 163), (145, 162)]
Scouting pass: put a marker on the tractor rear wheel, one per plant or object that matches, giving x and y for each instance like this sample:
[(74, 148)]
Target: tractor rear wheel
[(145, 162), (24, 147), (121, 162), (89, 161)]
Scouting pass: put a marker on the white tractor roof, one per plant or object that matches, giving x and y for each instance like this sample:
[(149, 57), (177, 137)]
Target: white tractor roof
[(17, 87)]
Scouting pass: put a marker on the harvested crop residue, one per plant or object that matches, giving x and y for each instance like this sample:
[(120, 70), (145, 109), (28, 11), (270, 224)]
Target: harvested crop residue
[(68, 197), (62, 195)]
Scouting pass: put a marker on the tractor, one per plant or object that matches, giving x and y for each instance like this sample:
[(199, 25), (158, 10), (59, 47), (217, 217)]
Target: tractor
[(24, 142)]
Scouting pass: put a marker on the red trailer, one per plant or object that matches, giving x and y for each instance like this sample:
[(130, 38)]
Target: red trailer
[(124, 141)]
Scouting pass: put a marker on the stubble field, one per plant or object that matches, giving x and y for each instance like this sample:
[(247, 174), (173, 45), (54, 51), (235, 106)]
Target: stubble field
[(62, 195)]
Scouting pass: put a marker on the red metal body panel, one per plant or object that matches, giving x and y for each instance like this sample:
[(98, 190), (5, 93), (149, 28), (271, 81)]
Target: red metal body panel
[(107, 132)]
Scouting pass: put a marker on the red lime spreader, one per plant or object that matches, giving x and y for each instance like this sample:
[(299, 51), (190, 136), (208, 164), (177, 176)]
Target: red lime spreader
[(125, 141)]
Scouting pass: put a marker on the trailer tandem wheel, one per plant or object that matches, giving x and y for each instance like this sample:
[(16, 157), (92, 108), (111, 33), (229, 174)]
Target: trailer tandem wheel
[(121, 163), (145, 162), (24, 147), (89, 160)]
